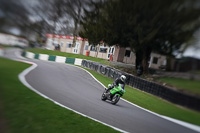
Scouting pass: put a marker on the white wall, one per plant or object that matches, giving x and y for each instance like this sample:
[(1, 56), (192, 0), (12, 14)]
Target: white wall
[(12, 40)]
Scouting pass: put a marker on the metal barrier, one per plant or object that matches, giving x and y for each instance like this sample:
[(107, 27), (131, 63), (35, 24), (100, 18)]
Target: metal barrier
[(164, 92)]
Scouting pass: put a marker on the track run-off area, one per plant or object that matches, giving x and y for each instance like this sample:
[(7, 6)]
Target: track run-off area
[(75, 89)]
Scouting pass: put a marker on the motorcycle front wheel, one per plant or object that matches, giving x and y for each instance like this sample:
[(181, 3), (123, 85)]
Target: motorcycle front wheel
[(115, 99), (103, 97)]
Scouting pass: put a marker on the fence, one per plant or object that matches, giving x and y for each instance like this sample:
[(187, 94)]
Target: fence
[(164, 92)]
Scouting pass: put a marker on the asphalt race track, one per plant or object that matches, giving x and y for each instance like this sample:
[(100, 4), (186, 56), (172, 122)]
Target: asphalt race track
[(76, 89)]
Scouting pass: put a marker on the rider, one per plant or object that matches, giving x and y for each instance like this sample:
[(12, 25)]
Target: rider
[(118, 81)]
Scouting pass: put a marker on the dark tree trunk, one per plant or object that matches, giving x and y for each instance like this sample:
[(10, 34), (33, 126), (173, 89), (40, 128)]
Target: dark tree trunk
[(138, 60), (170, 63), (145, 60), (74, 33), (76, 26), (141, 61)]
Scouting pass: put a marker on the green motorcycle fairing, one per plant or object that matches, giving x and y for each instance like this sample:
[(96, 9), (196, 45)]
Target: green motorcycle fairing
[(117, 90)]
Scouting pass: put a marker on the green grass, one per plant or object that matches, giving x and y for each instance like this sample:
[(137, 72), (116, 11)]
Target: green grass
[(99, 60), (197, 72), (187, 85), (27, 112), (51, 52), (9, 46), (149, 101), (5, 46), (153, 103)]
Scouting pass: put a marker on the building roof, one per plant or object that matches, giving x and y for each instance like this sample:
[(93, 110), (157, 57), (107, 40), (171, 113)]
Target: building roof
[(62, 36)]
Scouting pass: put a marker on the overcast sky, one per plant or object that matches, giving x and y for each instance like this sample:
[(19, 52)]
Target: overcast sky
[(193, 51)]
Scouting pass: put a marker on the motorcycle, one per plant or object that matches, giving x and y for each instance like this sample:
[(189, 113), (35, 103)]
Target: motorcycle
[(113, 95)]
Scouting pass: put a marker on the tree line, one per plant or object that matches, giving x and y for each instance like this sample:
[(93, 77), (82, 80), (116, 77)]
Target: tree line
[(41, 17), (144, 26)]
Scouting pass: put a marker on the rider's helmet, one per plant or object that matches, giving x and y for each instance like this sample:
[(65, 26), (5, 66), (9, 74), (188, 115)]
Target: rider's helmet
[(123, 78)]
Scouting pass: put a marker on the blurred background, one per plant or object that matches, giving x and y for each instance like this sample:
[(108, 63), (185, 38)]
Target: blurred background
[(168, 28), (156, 42)]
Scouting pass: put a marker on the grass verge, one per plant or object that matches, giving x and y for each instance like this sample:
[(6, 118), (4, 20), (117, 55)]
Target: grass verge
[(187, 85), (153, 103), (197, 72), (138, 97), (26, 111)]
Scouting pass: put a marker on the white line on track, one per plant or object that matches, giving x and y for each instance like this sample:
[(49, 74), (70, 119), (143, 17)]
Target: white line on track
[(182, 123), (23, 80)]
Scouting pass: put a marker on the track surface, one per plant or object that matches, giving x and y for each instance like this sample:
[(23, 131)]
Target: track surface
[(76, 89)]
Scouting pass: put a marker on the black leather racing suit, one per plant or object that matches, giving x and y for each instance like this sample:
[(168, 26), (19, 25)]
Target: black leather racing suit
[(116, 83)]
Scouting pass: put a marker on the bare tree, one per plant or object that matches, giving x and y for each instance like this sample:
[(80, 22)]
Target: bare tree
[(54, 16), (75, 9)]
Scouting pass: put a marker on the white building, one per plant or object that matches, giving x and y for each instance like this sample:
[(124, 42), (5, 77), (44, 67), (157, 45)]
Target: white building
[(82, 46), (11, 40)]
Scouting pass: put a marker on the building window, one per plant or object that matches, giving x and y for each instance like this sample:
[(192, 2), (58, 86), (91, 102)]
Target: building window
[(69, 45), (77, 45), (109, 56), (55, 43), (86, 47), (103, 49), (92, 48), (155, 60), (127, 53), (111, 50), (61, 44)]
